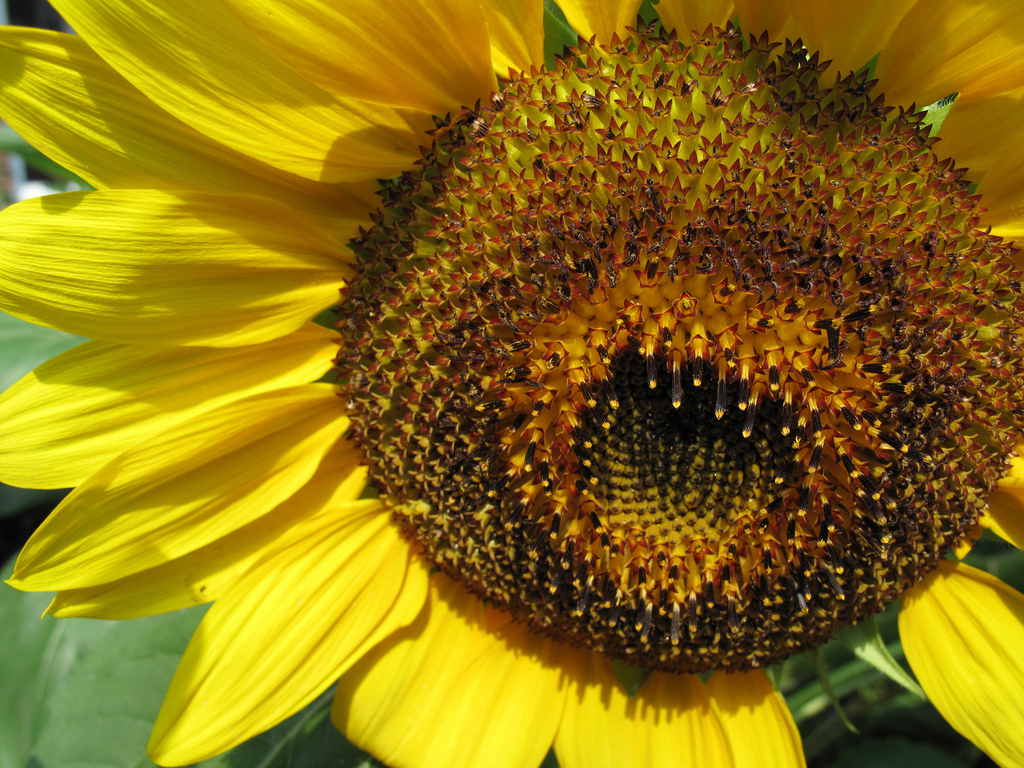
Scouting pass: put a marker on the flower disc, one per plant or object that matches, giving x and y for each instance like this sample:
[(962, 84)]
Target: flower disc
[(680, 355)]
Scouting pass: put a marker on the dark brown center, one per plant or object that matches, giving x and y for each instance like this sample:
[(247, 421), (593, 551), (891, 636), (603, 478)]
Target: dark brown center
[(679, 355)]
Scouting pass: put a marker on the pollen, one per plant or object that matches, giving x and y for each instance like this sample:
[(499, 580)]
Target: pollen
[(682, 354)]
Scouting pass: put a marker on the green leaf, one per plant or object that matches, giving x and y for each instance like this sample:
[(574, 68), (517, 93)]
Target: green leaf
[(558, 35), (104, 711), (23, 346), (894, 753), (37, 658), (83, 693), (826, 686), (12, 142), (14, 501), (867, 644)]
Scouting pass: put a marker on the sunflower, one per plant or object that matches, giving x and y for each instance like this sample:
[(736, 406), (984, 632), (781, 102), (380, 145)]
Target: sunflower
[(685, 348)]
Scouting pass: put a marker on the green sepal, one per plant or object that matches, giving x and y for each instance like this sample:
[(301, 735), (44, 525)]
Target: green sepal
[(935, 114), (867, 645), (630, 675), (870, 66)]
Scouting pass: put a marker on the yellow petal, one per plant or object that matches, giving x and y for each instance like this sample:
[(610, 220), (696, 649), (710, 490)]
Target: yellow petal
[(1005, 514), (72, 106), (1009, 224), (73, 414), (432, 56), (848, 34), (143, 266), (963, 631), (206, 573), (182, 489), (603, 728), (600, 18), (448, 692), (963, 548), (974, 135), (948, 46), (1014, 472), (757, 723), (517, 34), (687, 16), (215, 74), (295, 622), (757, 17)]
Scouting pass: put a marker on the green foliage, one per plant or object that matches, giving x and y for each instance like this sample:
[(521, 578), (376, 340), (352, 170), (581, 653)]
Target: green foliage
[(37, 659), (82, 693), (895, 753), (104, 711), (826, 686), (15, 501), (23, 346)]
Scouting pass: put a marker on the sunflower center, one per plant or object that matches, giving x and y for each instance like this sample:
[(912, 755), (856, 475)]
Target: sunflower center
[(677, 354), (668, 468)]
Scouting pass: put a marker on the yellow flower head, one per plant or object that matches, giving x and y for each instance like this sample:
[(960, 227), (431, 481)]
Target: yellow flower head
[(686, 350)]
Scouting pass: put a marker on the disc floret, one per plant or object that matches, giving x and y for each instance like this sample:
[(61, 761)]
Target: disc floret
[(681, 355)]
